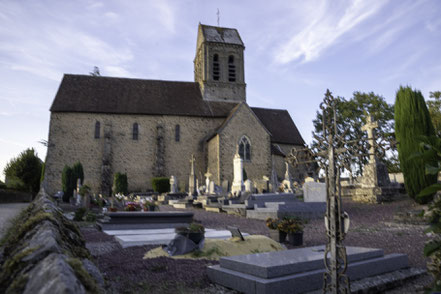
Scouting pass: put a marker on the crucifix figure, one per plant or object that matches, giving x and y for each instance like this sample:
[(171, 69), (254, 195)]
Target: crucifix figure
[(369, 127)]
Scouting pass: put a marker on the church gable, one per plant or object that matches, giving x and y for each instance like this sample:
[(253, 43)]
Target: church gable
[(243, 132)]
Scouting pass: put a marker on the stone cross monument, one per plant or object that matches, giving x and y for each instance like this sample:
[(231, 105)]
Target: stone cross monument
[(375, 183), (238, 185), (369, 127), (192, 179)]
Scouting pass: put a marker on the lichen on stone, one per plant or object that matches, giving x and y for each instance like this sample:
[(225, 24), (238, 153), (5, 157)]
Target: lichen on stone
[(86, 279)]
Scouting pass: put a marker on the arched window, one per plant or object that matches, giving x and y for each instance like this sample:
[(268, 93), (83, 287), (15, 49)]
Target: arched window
[(97, 129), (245, 148), (216, 67), (231, 69), (135, 131), (177, 133)]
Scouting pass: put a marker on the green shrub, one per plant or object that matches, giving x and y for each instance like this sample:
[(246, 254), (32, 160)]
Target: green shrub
[(23, 172), (67, 182), (120, 184), (161, 185), (412, 121), (79, 214), (2, 185), (84, 190), (90, 217)]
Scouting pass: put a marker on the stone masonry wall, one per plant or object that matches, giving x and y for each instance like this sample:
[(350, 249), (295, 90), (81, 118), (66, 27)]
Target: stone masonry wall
[(71, 139), (213, 158), (244, 122), (45, 253)]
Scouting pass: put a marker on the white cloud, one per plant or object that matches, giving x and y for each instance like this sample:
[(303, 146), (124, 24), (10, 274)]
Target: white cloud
[(326, 28)]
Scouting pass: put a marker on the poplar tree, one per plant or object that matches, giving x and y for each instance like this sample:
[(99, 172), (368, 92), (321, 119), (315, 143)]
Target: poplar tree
[(412, 123)]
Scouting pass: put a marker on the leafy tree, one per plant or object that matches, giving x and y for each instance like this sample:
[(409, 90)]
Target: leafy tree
[(412, 122), (435, 110), (68, 183), (120, 184), (351, 115), (2, 185), (23, 172)]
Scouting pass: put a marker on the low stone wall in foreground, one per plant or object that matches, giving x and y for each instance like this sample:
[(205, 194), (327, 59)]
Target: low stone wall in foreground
[(43, 252)]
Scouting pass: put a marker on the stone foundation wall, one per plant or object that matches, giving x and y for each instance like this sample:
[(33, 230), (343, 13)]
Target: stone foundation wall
[(45, 253)]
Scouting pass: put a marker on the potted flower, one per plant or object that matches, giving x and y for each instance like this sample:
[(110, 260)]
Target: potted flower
[(149, 206), (275, 233), (293, 226), (132, 206), (194, 232)]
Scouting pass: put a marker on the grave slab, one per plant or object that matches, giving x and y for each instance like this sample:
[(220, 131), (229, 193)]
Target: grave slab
[(287, 277), (165, 238), (145, 220)]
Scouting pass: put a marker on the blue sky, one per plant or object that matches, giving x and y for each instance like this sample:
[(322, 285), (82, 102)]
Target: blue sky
[(295, 50)]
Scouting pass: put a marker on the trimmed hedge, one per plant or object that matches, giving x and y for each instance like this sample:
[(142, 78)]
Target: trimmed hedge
[(161, 185), (120, 184)]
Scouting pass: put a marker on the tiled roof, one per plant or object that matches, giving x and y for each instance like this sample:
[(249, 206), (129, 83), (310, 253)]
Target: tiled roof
[(92, 94), (221, 35)]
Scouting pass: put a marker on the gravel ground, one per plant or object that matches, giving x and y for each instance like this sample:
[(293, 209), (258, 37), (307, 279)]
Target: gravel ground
[(7, 212), (372, 225)]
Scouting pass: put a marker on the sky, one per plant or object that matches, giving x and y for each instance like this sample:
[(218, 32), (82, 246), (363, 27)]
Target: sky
[(295, 50)]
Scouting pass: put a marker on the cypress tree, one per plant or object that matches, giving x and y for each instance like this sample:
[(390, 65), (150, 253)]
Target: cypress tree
[(67, 183), (77, 173), (412, 121)]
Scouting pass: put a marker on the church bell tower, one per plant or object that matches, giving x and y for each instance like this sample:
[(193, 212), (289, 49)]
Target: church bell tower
[(219, 64)]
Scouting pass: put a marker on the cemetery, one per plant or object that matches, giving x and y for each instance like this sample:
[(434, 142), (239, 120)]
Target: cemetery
[(155, 186)]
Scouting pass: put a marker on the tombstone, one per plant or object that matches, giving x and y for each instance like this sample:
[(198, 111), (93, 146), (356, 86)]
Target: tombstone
[(211, 188), (274, 181), (225, 186), (266, 185), (314, 192), (173, 185), (207, 179), (248, 186), (192, 179), (238, 185)]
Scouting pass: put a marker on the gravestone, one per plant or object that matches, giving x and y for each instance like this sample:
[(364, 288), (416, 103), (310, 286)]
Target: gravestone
[(192, 179), (314, 192), (225, 187), (248, 185), (77, 195), (274, 181), (238, 185), (211, 188), (173, 185)]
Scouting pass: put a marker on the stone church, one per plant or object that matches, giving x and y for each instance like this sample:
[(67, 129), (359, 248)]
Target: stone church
[(150, 128)]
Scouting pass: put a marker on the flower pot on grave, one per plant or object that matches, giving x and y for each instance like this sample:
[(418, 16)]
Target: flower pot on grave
[(295, 239), (195, 237), (278, 236)]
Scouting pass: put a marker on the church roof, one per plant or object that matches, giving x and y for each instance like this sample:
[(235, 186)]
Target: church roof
[(280, 124), (92, 94), (85, 93), (221, 35)]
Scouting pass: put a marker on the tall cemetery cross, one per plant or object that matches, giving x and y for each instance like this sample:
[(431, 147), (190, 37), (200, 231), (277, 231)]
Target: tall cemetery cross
[(369, 127), (336, 221)]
